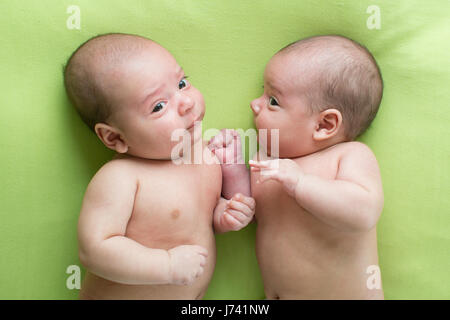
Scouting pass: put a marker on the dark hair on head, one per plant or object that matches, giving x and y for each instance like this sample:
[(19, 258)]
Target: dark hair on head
[(348, 79), (84, 85)]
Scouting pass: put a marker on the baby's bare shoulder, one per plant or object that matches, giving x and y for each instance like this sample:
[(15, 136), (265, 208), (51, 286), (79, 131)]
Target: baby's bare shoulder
[(352, 149), (353, 158), (115, 174), (118, 168), (357, 162), (347, 150), (355, 150), (348, 147)]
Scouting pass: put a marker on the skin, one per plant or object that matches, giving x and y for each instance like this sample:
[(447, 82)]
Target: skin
[(146, 227), (227, 148), (318, 205)]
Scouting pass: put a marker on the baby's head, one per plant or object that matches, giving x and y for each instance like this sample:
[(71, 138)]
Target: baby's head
[(132, 93), (318, 92)]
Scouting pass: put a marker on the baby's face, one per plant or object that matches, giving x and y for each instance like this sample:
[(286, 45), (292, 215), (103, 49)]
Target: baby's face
[(152, 99), (283, 106)]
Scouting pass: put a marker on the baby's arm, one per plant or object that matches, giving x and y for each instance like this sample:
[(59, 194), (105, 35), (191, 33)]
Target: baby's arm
[(351, 202), (107, 252), (236, 177), (237, 212)]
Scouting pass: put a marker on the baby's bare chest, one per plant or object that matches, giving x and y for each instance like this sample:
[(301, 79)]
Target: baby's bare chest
[(279, 213), (174, 204)]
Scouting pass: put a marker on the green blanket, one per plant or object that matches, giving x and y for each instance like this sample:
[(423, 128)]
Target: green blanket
[(48, 155)]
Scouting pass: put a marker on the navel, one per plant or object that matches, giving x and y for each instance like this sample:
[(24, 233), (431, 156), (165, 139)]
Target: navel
[(175, 214)]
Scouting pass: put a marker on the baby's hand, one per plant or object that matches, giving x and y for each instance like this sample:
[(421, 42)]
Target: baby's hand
[(238, 212), (186, 263), (227, 147), (285, 171)]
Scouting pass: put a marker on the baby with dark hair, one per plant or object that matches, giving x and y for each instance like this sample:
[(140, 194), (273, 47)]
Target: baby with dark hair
[(317, 206), (146, 227)]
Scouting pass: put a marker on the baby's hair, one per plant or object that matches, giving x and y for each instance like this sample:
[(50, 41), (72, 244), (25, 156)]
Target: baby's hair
[(83, 73), (347, 78)]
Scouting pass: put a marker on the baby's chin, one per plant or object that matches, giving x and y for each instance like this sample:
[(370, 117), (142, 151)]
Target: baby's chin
[(185, 146), (285, 150), (285, 153)]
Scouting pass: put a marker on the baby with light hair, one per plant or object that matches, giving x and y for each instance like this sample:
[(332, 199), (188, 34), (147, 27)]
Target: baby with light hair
[(317, 206), (146, 227)]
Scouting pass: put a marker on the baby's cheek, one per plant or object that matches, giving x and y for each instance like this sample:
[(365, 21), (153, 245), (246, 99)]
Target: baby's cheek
[(199, 99), (262, 121)]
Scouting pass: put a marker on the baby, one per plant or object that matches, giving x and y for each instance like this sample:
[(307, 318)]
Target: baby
[(318, 205), (146, 227)]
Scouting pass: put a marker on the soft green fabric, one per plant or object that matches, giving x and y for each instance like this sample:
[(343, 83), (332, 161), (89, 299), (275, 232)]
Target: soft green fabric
[(48, 155)]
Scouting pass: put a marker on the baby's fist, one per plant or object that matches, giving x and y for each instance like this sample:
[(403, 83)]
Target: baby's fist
[(186, 263), (227, 147), (238, 212)]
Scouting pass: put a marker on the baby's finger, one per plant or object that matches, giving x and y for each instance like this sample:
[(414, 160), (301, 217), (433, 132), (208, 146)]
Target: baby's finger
[(228, 136), (238, 215), (249, 201), (210, 143), (241, 207), (217, 140), (201, 250), (203, 261), (199, 272), (235, 133), (229, 132), (237, 142), (230, 220), (259, 164), (211, 147), (267, 175)]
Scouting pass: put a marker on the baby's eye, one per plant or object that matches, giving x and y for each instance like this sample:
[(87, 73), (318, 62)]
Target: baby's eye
[(159, 107), (273, 101), (183, 83)]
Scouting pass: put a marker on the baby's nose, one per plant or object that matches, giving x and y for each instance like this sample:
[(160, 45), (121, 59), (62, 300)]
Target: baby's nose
[(185, 104), (255, 106)]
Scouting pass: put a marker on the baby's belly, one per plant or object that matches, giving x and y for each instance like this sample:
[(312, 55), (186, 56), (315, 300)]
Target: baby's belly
[(95, 287), (301, 263)]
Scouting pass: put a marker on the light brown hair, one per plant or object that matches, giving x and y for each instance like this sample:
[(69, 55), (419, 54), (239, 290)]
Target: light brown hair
[(84, 78), (347, 78)]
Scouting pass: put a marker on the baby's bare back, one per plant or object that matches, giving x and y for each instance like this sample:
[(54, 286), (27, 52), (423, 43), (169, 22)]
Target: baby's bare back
[(173, 206), (300, 256)]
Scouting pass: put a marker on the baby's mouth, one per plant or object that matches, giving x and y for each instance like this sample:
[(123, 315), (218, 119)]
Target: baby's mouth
[(197, 119), (192, 126)]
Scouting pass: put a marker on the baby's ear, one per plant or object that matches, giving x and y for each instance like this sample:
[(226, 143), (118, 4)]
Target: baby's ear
[(111, 137), (328, 125)]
